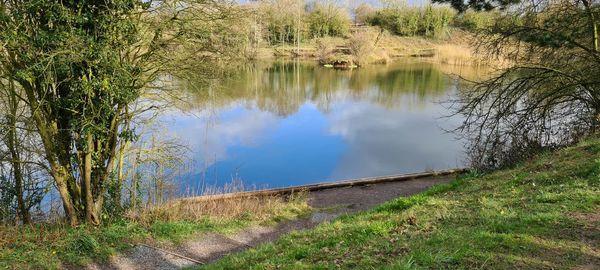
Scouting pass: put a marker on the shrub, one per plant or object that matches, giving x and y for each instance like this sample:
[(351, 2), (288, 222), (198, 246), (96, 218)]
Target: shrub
[(473, 20), (364, 13), (361, 47), (323, 50), (328, 20), (428, 21)]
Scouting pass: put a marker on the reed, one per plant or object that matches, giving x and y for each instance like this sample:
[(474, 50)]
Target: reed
[(254, 209)]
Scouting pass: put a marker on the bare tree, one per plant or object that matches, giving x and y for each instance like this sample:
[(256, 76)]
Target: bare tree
[(549, 96), (23, 173)]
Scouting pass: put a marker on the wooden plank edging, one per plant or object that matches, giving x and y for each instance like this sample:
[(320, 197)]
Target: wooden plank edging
[(322, 186)]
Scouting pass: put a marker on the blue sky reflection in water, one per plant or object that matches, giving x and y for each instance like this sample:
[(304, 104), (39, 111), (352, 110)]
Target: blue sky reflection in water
[(284, 124)]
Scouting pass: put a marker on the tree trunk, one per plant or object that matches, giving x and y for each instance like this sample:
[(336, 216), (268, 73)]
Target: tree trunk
[(18, 175), (593, 23), (13, 146), (595, 29), (120, 161), (47, 132), (60, 177), (91, 212)]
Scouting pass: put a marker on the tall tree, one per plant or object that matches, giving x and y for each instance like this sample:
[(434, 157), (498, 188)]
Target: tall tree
[(81, 63), (283, 20)]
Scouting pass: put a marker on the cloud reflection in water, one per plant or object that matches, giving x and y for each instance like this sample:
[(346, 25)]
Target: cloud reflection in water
[(293, 123)]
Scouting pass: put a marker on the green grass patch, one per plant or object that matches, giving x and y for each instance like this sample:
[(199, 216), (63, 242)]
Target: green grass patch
[(539, 215), (54, 246)]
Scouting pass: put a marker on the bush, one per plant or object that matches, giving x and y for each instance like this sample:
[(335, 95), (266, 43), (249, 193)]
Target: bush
[(323, 50), (428, 21), (473, 20), (328, 20), (364, 13), (361, 46)]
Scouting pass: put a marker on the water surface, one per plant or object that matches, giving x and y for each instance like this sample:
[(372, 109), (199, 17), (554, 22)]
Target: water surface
[(294, 123)]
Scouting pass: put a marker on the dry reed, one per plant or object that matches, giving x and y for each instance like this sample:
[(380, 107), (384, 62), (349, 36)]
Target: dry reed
[(253, 207)]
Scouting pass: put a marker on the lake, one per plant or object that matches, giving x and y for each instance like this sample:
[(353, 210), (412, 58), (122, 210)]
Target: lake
[(293, 123)]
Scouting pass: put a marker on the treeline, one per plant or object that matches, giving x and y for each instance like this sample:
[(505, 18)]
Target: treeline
[(281, 22), (425, 21), (414, 21)]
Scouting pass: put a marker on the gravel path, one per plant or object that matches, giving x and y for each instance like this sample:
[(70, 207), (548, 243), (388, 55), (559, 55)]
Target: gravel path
[(211, 246)]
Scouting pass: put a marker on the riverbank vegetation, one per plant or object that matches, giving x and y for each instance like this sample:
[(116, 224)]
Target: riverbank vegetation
[(541, 214), (307, 29), (57, 245)]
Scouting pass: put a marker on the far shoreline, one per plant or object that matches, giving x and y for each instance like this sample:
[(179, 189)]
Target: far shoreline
[(455, 48)]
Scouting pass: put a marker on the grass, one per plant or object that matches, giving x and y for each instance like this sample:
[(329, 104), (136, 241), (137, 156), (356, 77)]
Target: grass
[(542, 214), (54, 246)]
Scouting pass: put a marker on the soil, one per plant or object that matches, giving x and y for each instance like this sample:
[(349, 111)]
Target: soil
[(209, 247)]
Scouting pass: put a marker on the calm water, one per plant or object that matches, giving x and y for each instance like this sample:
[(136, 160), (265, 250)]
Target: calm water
[(283, 124)]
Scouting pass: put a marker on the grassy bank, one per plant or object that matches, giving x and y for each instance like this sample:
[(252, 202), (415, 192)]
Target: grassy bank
[(543, 214), (54, 246)]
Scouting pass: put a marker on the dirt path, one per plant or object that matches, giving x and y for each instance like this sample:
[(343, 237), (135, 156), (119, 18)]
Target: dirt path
[(210, 247)]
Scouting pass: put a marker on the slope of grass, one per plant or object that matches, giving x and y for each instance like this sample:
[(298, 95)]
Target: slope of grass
[(54, 246), (543, 214)]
